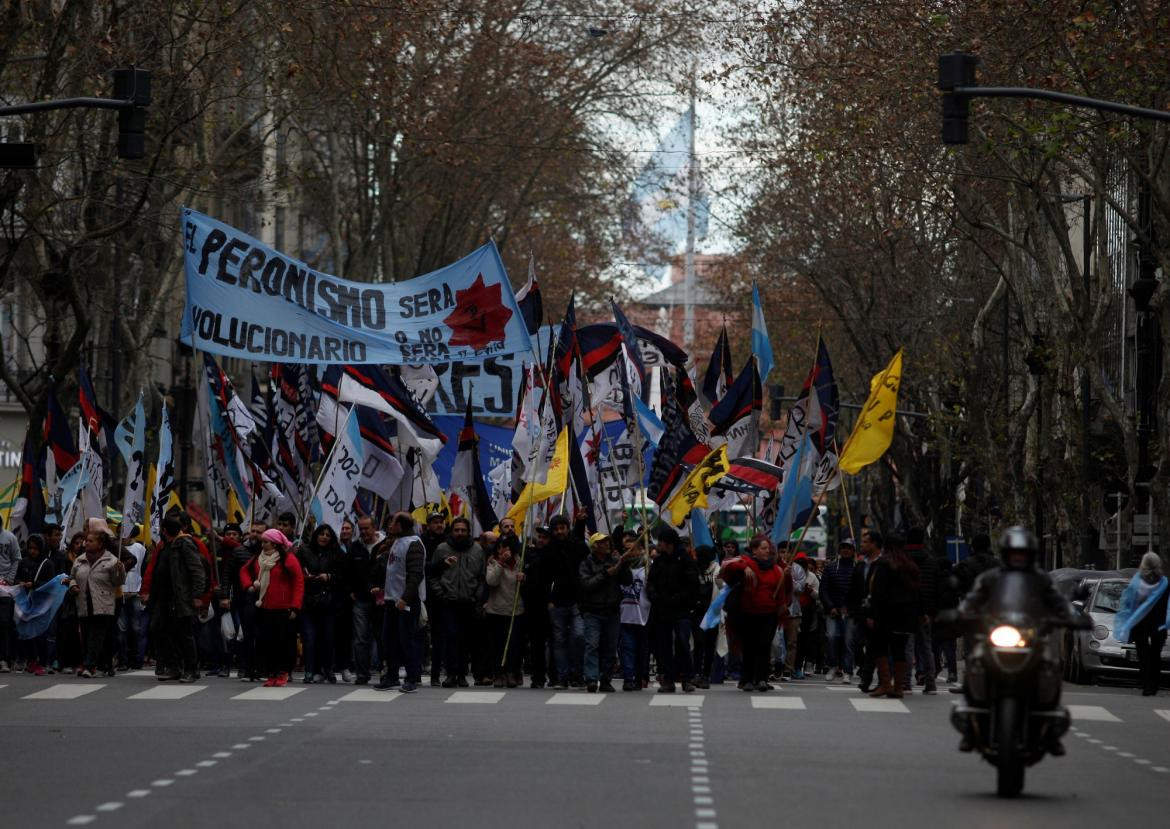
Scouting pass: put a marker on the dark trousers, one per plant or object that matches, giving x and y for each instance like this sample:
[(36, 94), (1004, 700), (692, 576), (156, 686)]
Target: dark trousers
[(458, 632), (536, 624), (133, 622), (673, 649), (404, 643), (863, 652), (277, 645), (363, 638), (704, 650), (343, 636), (635, 653), (497, 631), (175, 643), (95, 641), (1149, 653), (8, 629), (68, 645), (438, 636), (318, 636), (247, 649), (756, 632)]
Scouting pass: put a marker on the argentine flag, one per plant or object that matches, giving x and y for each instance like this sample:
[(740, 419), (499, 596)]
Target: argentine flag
[(761, 345)]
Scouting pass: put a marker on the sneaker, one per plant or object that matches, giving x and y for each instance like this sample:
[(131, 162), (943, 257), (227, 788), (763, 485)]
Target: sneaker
[(462, 682), (666, 688), (308, 680), (281, 680), (798, 675), (386, 684), (451, 683), (168, 677), (4, 669), (536, 683), (952, 679), (270, 682), (847, 679), (331, 679), (746, 687), (563, 684), (591, 687), (320, 678), (110, 672), (348, 676), (763, 686), (123, 669), (409, 687), (85, 673), (365, 680), (40, 671), (607, 688), (225, 672), (188, 678), (688, 688), (628, 686), (436, 681)]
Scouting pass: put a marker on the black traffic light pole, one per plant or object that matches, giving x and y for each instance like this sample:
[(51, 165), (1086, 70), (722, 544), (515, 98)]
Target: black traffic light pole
[(131, 97), (956, 78)]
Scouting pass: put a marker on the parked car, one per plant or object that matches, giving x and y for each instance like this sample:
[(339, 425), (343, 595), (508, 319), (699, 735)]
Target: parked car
[(1091, 654)]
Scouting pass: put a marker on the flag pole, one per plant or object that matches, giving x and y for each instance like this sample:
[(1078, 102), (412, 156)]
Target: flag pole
[(845, 494)]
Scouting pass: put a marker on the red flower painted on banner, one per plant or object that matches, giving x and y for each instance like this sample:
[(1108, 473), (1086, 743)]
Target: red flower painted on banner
[(479, 317)]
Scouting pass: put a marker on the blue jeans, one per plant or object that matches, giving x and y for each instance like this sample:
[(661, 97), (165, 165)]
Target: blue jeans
[(840, 634), (132, 624), (404, 642), (601, 639), (319, 634), (635, 653), (568, 641), (363, 639)]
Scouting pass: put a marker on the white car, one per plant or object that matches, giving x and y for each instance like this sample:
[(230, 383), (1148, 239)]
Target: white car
[(1090, 654)]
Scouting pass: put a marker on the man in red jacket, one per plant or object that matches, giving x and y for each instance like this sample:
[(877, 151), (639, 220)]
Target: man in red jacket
[(757, 577)]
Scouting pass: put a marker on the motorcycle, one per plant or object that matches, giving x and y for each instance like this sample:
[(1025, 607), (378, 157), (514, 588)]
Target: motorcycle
[(1011, 712)]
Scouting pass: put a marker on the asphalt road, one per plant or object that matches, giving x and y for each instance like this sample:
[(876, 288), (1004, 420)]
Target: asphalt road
[(337, 755)]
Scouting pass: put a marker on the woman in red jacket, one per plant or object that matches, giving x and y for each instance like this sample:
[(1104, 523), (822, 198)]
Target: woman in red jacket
[(277, 581), (757, 577)]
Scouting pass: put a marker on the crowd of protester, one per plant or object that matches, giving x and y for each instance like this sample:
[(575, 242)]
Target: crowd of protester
[(389, 604)]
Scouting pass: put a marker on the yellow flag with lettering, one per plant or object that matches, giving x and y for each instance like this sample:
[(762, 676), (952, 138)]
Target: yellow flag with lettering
[(554, 484), (693, 492), (874, 431)]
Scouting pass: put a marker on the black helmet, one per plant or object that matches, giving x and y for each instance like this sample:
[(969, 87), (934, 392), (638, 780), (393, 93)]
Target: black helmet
[(1017, 540)]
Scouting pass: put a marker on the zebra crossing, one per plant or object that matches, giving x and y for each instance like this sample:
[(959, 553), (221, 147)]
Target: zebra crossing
[(783, 702)]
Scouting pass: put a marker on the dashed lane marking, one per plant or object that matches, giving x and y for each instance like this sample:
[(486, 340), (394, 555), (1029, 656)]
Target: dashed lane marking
[(268, 694), (684, 701), (880, 706), (1091, 713), (365, 695), (475, 697), (575, 699)]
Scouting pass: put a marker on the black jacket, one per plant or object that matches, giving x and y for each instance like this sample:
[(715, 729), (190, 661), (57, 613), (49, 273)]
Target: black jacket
[(317, 561), (38, 570), (928, 586), (358, 572), (893, 598), (600, 592), (673, 586), (179, 579), (858, 588), (232, 559), (561, 565)]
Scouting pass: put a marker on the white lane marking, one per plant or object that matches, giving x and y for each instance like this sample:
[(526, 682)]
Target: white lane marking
[(1161, 769), (241, 746), (1126, 754), (700, 790), (323, 708), (80, 820), (256, 739), (706, 825), (703, 801), (1161, 712), (300, 719), (698, 761), (186, 772), (574, 699), (169, 692), (475, 697), (367, 695), (685, 701), (112, 806), (138, 793), (162, 783), (699, 753), (222, 755), (704, 813), (268, 694), (311, 714), (272, 731), (700, 779), (206, 764), (880, 706), (1094, 713), (1109, 748), (65, 691), (1096, 742), (694, 745), (779, 703), (1142, 762)]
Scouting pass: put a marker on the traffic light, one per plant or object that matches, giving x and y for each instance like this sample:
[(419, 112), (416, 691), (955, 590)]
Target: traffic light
[(132, 85), (955, 70)]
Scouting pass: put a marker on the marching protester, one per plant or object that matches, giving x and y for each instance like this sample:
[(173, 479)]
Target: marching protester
[(535, 594), (928, 598), (635, 616), (710, 584), (277, 584), (34, 570), (505, 610), (178, 580), (839, 616), (361, 582), (96, 576), (757, 578), (893, 615), (434, 534), (134, 620), (320, 559), (563, 555), (403, 593), (602, 574), (860, 606), (672, 585), (458, 566)]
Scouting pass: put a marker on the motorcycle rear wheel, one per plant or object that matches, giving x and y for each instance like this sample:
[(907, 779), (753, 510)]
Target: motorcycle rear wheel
[(1009, 756)]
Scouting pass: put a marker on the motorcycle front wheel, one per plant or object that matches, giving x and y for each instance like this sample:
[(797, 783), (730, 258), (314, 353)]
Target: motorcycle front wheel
[(1009, 749)]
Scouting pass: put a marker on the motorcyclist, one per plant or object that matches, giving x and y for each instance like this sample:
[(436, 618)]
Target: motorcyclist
[(999, 590)]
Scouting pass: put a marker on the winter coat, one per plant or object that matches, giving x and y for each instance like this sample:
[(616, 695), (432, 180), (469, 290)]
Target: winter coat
[(835, 583), (9, 556), (893, 599), (286, 583), (179, 579), (99, 582), (316, 561), (1147, 616), (360, 573), (928, 575), (502, 586), (36, 570), (601, 593), (765, 596), (462, 581), (561, 569), (672, 585), (859, 587)]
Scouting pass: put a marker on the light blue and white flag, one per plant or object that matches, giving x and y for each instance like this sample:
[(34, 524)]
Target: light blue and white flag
[(761, 345), (164, 480), (338, 487), (648, 422), (130, 438), (35, 610), (796, 490)]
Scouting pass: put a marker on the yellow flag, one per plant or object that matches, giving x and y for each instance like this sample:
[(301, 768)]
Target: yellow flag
[(8, 500), (875, 427), (693, 493), (148, 505), (235, 511), (554, 484)]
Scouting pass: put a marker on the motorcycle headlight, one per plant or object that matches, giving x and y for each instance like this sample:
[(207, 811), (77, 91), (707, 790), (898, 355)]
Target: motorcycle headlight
[(1006, 636), (1100, 632)]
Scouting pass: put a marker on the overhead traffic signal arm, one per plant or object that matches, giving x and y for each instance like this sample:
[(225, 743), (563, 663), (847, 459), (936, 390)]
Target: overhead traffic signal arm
[(131, 98), (956, 79)]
